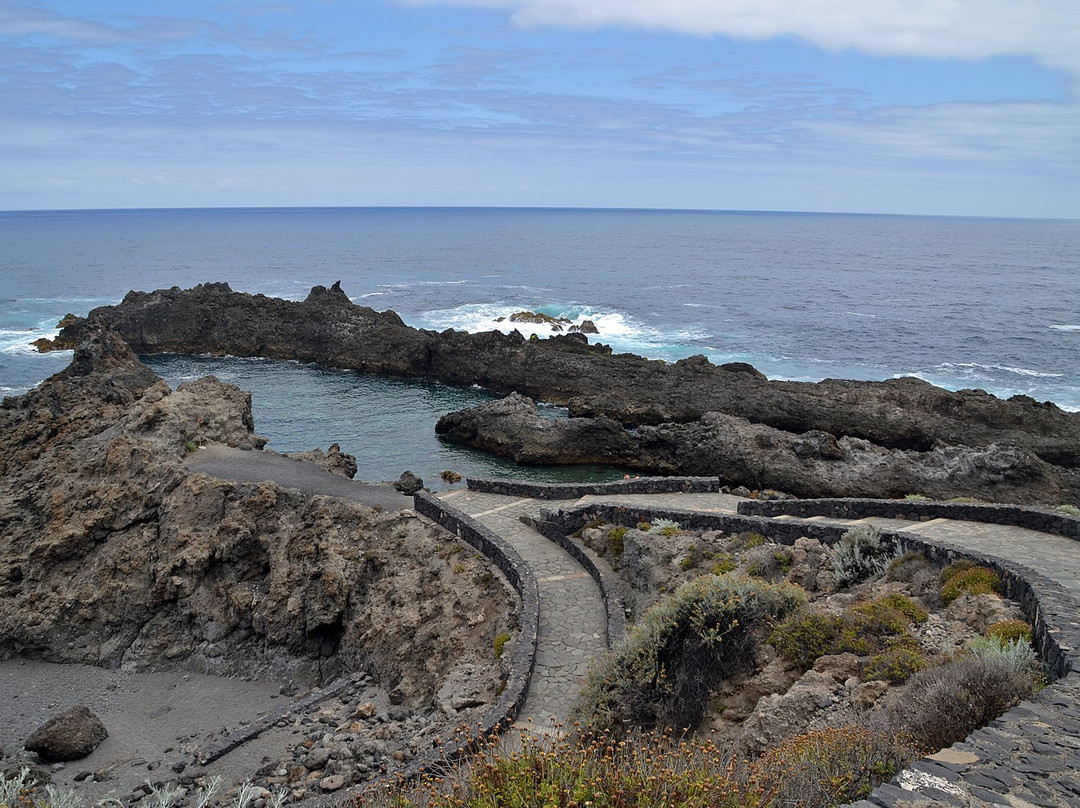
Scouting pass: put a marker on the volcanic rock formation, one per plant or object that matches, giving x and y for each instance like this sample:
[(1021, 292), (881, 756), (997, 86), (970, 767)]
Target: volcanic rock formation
[(114, 553), (813, 464)]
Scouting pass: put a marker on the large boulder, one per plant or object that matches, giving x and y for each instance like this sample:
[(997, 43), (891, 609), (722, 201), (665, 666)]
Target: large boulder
[(71, 735)]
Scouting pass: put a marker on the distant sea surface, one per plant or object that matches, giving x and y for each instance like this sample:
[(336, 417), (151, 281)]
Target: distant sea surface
[(963, 303)]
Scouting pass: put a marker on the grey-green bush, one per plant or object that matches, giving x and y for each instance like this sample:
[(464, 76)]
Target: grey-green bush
[(661, 674), (945, 704), (860, 555)]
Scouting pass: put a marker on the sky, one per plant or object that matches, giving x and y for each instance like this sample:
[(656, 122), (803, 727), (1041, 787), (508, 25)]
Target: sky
[(944, 107)]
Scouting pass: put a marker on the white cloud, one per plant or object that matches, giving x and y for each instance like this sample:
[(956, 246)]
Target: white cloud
[(1049, 30)]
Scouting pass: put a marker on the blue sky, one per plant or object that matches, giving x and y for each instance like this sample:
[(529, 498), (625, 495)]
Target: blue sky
[(958, 107)]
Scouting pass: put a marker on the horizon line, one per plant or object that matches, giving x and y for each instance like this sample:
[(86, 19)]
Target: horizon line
[(549, 208)]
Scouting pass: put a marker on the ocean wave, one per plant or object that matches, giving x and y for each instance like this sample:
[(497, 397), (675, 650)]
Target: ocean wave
[(616, 328), (1065, 327), (980, 370), (18, 341)]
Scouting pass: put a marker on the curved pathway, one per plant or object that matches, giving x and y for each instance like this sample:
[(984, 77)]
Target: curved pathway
[(573, 620), (1029, 757)]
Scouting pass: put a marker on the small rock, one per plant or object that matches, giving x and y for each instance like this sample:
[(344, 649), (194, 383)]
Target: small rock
[(83, 775), (365, 710), (866, 694), (317, 758), (332, 783), (408, 483)]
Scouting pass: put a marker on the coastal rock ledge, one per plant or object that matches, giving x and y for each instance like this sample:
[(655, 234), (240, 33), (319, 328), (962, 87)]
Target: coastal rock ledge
[(1037, 443)]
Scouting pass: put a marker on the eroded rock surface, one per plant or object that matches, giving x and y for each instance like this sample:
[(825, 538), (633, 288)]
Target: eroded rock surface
[(115, 554), (812, 464)]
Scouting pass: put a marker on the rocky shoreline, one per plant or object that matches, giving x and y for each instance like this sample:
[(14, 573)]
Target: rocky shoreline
[(117, 553), (831, 438)]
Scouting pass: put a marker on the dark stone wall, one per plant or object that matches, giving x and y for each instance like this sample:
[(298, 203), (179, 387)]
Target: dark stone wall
[(521, 577), (635, 485), (1045, 521)]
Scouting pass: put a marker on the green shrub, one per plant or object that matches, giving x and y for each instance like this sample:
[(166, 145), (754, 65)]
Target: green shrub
[(860, 555), (968, 579), (886, 608), (665, 527), (916, 498), (747, 541), (864, 629), (1009, 630), (829, 767), (191, 446), (616, 539), (907, 566), (1068, 510), (662, 672), (722, 563), (896, 664), (1018, 655), (802, 638), (644, 527)]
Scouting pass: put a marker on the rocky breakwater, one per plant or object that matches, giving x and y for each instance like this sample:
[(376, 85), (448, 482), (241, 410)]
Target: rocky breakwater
[(327, 328), (812, 464), (114, 553)]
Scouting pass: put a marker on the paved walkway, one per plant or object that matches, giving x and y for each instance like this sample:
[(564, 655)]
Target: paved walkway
[(573, 621), (250, 466)]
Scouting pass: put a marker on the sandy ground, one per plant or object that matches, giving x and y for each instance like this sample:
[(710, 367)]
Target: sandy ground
[(152, 719)]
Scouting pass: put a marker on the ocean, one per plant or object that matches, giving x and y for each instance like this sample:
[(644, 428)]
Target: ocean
[(961, 302)]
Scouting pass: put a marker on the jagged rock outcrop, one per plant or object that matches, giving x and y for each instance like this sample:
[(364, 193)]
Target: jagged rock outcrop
[(328, 329), (813, 464), (114, 553)]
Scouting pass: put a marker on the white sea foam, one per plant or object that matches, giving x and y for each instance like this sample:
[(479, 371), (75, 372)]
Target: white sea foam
[(616, 328), (18, 341), (984, 371), (1065, 327)]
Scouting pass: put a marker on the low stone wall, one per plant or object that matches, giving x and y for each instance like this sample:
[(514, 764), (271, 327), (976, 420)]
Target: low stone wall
[(613, 605), (635, 485), (522, 578), (1045, 521)]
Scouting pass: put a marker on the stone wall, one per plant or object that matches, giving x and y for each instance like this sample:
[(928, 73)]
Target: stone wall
[(523, 658), (634, 485), (1022, 750), (1045, 521)]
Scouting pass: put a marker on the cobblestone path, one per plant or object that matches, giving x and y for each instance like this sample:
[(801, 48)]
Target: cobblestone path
[(573, 621)]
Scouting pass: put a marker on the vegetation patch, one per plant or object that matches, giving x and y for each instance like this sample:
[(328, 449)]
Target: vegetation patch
[(646, 770), (966, 578), (663, 671)]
